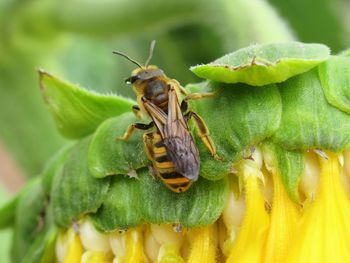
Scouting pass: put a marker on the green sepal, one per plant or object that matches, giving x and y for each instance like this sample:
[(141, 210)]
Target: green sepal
[(75, 190), (78, 111), (200, 205), (53, 167), (29, 219), (111, 156), (263, 64), (308, 120), (43, 248), (237, 117), (132, 201), (335, 79), (120, 210), (290, 167), (8, 211)]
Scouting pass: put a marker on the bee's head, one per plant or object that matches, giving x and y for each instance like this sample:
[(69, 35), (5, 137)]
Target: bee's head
[(142, 73)]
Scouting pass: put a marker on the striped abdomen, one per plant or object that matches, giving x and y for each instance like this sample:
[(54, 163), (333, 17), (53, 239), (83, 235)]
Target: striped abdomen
[(165, 168)]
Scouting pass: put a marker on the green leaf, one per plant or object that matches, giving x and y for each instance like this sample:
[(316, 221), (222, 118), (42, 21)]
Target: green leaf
[(201, 205), (29, 221), (77, 111), (308, 120), (238, 116), (290, 167), (120, 210), (53, 168), (259, 65), (335, 79), (75, 191), (110, 156)]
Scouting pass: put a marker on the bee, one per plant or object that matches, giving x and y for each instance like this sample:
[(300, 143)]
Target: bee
[(170, 146)]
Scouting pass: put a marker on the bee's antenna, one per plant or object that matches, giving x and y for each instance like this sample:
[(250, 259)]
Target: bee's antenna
[(128, 58), (151, 48)]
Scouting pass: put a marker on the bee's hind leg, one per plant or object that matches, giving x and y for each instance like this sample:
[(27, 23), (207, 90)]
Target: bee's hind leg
[(203, 132), (130, 130)]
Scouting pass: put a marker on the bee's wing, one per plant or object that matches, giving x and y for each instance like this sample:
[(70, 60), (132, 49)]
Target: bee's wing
[(178, 141), (157, 114)]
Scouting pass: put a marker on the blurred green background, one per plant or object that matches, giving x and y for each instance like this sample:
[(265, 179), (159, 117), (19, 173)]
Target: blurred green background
[(74, 40)]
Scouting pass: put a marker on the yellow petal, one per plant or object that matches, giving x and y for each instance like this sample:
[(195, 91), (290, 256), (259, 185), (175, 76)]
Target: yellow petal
[(283, 223), (203, 245), (75, 249), (170, 254), (134, 247), (248, 246), (324, 230), (96, 257)]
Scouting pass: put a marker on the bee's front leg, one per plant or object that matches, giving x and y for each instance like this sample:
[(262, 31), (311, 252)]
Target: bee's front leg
[(130, 130), (198, 96)]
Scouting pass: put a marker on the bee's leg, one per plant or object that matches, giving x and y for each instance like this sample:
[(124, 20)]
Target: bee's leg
[(132, 127), (198, 96), (137, 111), (203, 132), (183, 90), (147, 141)]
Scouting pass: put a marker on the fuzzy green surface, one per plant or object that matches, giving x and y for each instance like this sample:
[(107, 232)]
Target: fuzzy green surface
[(132, 201), (54, 166), (111, 156), (77, 111), (308, 120), (75, 191), (290, 166), (120, 209), (259, 65), (335, 79), (29, 219)]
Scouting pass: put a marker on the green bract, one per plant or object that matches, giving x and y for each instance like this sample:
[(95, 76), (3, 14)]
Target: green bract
[(29, 221), (289, 165), (54, 166), (110, 156), (335, 79), (131, 202), (77, 111), (308, 120), (259, 65), (75, 191)]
